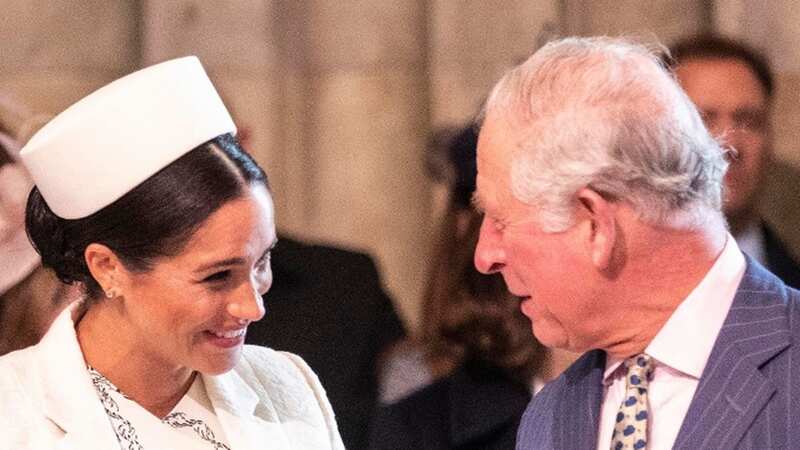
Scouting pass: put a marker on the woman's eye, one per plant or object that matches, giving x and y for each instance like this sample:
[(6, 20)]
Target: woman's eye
[(217, 277)]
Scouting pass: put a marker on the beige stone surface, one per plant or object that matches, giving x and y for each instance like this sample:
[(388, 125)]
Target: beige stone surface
[(51, 91), (235, 34), (79, 35), (252, 102), (772, 25), (341, 95), (291, 141), (370, 187), (786, 118), (655, 20), (472, 43), (363, 34)]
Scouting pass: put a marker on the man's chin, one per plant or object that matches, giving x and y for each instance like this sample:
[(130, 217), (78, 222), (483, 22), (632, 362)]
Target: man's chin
[(549, 338)]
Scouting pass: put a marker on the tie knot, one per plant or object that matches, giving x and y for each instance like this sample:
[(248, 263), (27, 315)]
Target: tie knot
[(639, 369)]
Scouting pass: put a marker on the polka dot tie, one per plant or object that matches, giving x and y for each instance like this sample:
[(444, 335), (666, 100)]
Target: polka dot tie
[(630, 428)]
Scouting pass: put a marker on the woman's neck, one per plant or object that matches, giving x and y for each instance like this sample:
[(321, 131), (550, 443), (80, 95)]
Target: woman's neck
[(110, 348)]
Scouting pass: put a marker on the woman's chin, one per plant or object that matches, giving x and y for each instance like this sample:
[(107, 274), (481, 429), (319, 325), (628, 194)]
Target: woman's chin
[(218, 364)]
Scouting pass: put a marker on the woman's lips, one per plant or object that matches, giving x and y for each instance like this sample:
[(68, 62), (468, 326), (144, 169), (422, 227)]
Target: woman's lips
[(226, 338)]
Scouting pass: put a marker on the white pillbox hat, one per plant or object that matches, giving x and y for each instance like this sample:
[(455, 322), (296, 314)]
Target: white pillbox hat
[(109, 142)]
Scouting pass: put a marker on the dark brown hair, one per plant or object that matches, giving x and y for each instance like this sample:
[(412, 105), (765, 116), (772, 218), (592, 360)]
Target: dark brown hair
[(153, 220), (717, 47), (469, 316)]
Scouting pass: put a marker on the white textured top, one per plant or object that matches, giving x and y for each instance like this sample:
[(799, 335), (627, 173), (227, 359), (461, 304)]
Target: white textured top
[(680, 351)]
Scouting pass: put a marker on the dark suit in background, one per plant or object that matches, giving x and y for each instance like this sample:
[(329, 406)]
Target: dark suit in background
[(779, 259), (328, 306), (746, 397), (475, 407)]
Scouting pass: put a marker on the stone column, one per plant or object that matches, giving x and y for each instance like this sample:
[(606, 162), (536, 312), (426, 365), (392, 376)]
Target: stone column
[(234, 40), (473, 43), (655, 20), (356, 81), (55, 52)]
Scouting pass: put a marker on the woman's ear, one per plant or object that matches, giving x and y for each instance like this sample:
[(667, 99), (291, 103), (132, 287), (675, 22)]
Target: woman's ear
[(105, 267), (601, 235)]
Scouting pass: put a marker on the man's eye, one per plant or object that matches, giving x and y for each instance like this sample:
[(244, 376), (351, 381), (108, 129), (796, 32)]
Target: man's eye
[(499, 225), (217, 277), (263, 261)]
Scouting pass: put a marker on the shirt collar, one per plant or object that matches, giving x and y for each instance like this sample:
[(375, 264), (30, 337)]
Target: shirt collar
[(694, 325)]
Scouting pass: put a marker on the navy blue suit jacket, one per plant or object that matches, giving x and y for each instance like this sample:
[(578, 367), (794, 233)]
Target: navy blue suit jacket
[(748, 396)]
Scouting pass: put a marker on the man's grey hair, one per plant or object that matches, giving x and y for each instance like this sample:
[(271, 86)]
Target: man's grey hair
[(604, 113)]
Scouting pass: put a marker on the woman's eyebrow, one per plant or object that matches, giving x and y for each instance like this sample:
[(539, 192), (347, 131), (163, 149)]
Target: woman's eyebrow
[(222, 263), (232, 261)]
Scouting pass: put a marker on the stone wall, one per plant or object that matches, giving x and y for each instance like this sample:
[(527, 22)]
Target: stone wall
[(341, 96)]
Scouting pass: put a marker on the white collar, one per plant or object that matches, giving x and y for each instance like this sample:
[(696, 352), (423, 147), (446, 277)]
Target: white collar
[(693, 327), (70, 401)]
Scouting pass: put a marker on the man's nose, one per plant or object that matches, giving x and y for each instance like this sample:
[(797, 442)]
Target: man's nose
[(489, 255)]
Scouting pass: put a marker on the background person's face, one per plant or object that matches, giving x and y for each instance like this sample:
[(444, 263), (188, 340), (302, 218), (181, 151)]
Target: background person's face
[(191, 310), (734, 108)]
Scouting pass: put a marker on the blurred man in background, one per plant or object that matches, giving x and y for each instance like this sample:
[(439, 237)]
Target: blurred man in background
[(733, 87)]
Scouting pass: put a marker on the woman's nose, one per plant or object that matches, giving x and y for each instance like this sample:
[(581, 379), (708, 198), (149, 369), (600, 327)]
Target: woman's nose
[(249, 306)]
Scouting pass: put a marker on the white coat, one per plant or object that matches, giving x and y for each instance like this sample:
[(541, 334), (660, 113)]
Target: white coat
[(269, 400)]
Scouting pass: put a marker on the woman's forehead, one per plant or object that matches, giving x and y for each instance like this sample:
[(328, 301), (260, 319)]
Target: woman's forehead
[(241, 227)]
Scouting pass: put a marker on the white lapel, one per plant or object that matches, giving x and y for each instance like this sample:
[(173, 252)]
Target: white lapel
[(67, 395), (235, 405)]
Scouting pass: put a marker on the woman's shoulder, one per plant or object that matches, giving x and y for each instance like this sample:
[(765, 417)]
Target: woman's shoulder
[(283, 376), (20, 401), (14, 365), (275, 366), (290, 386)]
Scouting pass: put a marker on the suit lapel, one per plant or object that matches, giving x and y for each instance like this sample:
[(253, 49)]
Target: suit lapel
[(732, 390), (576, 416), (68, 397), (248, 422)]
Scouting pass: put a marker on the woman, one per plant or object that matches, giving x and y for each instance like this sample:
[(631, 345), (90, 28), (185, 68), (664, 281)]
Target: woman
[(30, 295), (475, 342), (144, 198)]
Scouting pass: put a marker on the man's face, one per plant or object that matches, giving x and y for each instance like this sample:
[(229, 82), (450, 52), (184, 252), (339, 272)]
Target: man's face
[(734, 106), (548, 271)]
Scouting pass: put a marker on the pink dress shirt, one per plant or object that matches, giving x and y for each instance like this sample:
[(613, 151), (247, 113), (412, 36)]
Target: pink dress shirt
[(680, 351)]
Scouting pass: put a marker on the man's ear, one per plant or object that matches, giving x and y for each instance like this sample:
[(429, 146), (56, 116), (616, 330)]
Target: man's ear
[(602, 227), (104, 266)]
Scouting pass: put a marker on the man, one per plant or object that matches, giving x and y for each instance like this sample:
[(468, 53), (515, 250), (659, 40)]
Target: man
[(732, 87), (601, 189)]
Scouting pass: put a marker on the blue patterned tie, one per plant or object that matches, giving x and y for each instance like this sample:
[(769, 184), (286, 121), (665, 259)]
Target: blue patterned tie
[(630, 428)]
